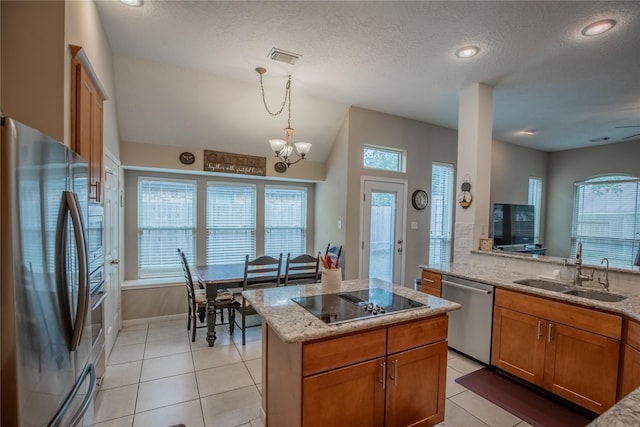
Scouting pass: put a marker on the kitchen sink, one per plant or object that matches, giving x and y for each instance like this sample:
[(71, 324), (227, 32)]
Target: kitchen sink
[(595, 295), (544, 284)]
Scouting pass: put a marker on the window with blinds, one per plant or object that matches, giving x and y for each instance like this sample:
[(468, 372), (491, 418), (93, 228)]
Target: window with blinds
[(231, 222), (285, 221), (166, 222), (441, 213), (535, 199), (606, 220)]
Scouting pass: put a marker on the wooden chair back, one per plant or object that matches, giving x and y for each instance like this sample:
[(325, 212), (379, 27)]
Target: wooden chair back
[(262, 272), (302, 269)]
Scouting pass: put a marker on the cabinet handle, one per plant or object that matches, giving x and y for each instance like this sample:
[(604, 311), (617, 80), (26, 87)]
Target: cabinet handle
[(549, 332), (539, 331), (383, 365), (395, 372), (428, 280)]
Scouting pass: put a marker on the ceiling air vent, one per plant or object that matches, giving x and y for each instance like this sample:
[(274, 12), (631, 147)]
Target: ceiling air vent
[(283, 56)]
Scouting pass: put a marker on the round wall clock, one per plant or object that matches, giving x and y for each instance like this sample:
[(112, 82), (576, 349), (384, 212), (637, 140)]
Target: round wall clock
[(419, 199), (187, 158)]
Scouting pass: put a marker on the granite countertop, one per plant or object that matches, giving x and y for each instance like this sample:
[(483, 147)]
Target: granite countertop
[(294, 323), (503, 278), (625, 412)]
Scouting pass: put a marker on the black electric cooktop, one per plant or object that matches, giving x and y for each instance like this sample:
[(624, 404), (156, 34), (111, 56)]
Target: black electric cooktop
[(355, 305)]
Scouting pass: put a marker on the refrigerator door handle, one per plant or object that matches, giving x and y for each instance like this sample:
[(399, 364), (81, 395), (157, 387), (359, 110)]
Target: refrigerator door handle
[(71, 207), (83, 267), (88, 370)]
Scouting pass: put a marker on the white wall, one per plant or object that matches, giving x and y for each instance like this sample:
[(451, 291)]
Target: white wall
[(424, 143), (570, 166), (511, 167)]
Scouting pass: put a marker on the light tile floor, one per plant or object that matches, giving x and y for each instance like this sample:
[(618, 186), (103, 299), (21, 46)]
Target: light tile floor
[(156, 377)]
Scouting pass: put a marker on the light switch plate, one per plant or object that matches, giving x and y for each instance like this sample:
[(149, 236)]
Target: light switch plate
[(414, 225)]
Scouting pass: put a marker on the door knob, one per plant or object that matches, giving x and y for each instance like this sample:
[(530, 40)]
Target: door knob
[(115, 261)]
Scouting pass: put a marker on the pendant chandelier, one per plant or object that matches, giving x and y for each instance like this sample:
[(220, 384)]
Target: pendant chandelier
[(286, 150)]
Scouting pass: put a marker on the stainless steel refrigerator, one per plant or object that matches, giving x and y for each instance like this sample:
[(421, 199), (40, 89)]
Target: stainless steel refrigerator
[(46, 375)]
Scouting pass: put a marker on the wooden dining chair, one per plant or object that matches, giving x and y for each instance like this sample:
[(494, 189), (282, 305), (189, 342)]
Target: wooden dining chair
[(197, 301), (301, 270), (262, 272)]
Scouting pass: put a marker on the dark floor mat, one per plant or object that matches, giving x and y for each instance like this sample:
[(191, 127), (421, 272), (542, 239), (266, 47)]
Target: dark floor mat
[(524, 402)]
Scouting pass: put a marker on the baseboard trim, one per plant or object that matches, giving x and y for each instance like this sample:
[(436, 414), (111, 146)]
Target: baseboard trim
[(156, 319)]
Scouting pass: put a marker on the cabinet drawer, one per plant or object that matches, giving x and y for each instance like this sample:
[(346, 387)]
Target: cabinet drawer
[(337, 352), (633, 334), (587, 319), (414, 334), (431, 283)]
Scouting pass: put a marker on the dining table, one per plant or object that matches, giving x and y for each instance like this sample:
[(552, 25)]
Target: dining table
[(215, 277)]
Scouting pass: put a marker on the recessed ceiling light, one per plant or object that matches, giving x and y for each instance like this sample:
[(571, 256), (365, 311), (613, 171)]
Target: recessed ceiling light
[(134, 3), (598, 27), (529, 131), (467, 52)]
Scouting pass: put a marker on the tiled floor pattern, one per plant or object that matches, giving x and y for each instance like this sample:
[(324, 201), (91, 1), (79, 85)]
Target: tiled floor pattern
[(156, 377)]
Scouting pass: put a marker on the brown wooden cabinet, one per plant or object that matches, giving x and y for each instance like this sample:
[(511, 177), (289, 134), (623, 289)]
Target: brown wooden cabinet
[(630, 373), (87, 97), (569, 350), (432, 283), (394, 376)]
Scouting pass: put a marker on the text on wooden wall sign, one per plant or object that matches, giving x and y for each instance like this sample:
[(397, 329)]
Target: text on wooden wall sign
[(218, 161)]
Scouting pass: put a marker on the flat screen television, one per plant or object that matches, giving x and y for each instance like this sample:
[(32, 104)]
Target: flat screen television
[(513, 224)]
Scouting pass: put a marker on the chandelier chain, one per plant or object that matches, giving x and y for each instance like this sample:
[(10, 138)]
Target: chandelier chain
[(287, 95)]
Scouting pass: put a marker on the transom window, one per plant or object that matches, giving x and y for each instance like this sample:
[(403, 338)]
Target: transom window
[(384, 158), (166, 221), (606, 219)]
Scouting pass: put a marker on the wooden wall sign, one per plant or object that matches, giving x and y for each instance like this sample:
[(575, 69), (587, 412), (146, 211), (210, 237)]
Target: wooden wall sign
[(218, 161)]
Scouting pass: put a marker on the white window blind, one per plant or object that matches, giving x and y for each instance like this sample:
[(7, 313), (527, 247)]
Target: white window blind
[(231, 222), (285, 221), (606, 219), (441, 213), (535, 199), (166, 222)]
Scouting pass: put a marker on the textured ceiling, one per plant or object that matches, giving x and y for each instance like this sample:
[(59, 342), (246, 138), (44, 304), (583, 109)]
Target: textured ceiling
[(185, 69)]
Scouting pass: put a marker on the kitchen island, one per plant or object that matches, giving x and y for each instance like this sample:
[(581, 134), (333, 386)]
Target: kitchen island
[(382, 370)]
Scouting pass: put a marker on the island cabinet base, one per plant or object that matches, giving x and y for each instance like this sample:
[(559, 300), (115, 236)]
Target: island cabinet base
[(391, 376)]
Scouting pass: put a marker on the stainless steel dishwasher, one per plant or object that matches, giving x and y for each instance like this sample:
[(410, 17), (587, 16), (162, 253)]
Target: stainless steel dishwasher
[(470, 327)]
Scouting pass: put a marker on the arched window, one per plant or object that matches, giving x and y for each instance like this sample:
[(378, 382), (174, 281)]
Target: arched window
[(606, 219)]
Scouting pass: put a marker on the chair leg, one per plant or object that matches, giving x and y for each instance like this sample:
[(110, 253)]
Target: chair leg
[(189, 319), (222, 316), (243, 324), (232, 319), (193, 332)]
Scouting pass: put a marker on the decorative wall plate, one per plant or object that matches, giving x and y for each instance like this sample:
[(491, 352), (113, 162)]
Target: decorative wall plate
[(187, 158), (280, 167), (419, 199)]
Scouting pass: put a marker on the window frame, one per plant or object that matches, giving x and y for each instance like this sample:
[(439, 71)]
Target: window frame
[(252, 230), (173, 269), (402, 157), (534, 197), (447, 211), (595, 245)]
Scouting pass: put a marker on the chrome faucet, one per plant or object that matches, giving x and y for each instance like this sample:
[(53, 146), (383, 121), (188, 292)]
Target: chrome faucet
[(605, 284), (578, 278)]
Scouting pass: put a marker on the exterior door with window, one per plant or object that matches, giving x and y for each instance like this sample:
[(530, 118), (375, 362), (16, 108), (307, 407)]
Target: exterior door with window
[(383, 225)]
